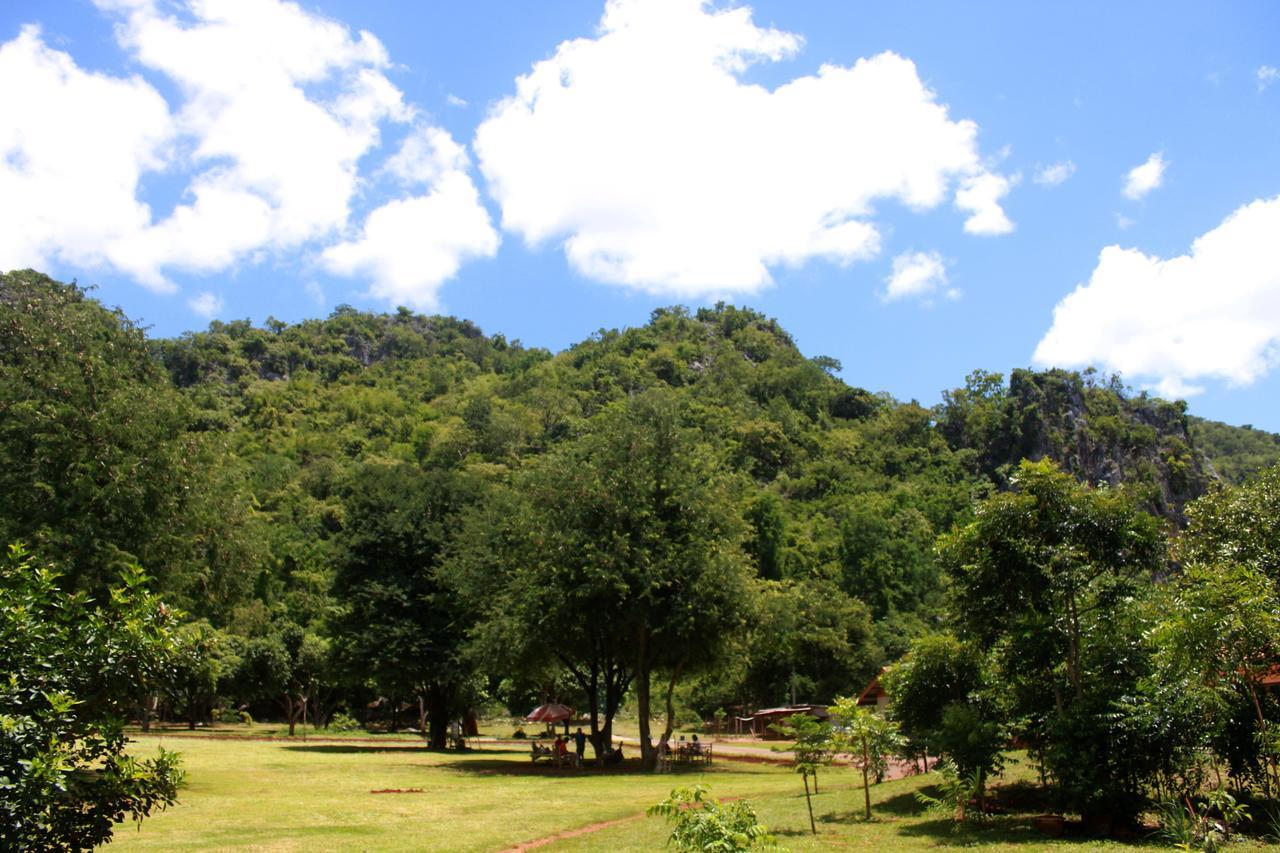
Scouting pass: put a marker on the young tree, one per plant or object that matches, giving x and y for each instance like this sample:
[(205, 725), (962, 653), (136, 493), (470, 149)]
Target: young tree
[(869, 737), (72, 667), (813, 749), (704, 823)]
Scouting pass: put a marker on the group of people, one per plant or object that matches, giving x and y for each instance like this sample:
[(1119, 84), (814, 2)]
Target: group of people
[(559, 751)]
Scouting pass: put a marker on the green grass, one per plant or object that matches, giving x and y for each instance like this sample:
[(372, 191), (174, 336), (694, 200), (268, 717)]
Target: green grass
[(290, 795)]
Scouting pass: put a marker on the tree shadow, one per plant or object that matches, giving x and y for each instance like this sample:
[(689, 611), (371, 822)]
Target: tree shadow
[(343, 749), (904, 804), (523, 767)]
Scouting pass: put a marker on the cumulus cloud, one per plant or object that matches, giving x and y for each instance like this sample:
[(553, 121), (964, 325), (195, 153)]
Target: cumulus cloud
[(410, 246), (1213, 313), (659, 168), (918, 274), (275, 108), (73, 146), (206, 304), (1055, 173), (1146, 177)]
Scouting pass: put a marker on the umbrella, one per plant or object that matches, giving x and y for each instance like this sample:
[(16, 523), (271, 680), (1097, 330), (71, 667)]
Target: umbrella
[(552, 712)]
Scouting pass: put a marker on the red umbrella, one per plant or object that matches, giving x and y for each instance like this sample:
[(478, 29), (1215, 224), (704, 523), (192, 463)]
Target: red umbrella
[(552, 712)]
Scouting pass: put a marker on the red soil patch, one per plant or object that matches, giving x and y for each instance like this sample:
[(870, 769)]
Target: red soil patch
[(571, 833)]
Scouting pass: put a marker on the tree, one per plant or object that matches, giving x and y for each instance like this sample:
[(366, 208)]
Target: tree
[(1045, 580), (72, 666), (812, 749), (198, 667), (807, 639), (622, 559), (869, 737), (101, 462), (1221, 628), (402, 628), (938, 673), (1235, 526)]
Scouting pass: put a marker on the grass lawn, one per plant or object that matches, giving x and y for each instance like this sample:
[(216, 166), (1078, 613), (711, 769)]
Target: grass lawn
[(290, 795)]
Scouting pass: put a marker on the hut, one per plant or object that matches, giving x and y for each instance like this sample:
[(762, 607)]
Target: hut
[(762, 720)]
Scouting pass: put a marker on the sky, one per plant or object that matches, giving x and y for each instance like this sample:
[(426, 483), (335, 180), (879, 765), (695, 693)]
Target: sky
[(917, 189)]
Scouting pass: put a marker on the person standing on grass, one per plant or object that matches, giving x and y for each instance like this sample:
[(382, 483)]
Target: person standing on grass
[(580, 742)]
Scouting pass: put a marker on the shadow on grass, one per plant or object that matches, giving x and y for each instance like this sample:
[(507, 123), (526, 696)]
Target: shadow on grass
[(356, 749), (904, 804), (518, 764)]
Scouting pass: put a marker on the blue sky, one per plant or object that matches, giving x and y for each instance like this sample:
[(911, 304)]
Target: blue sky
[(917, 189)]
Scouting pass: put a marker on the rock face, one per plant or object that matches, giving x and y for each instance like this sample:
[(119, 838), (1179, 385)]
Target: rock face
[(1094, 429)]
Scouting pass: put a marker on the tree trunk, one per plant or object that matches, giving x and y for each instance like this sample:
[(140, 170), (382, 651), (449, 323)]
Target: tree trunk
[(866, 788), (422, 717), (438, 716), (648, 756), (671, 711), (813, 826), (291, 712)]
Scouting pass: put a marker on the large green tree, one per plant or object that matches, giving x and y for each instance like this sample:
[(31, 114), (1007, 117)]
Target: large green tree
[(101, 464), (401, 629), (1045, 580)]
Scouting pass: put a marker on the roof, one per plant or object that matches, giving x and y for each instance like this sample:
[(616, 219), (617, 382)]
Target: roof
[(873, 690), (816, 710)]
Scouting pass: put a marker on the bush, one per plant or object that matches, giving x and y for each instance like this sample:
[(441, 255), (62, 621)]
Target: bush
[(71, 669), (704, 823), (233, 715), (344, 722)]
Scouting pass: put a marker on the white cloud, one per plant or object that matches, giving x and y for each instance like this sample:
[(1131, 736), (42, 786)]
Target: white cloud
[(1146, 177), (454, 101), (275, 109), (917, 274), (643, 150), (1266, 76), (981, 194), (1213, 313), (410, 246), (73, 146), (425, 156), (278, 106), (206, 304), (1123, 222), (1055, 173)]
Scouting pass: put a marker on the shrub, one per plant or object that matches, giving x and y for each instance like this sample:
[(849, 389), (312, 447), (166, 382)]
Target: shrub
[(344, 722), (704, 823)]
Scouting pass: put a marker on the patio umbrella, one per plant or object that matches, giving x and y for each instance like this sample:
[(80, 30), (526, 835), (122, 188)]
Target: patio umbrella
[(552, 712)]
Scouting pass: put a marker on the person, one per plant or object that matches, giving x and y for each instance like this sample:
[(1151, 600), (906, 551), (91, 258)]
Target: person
[(580, 742), (562, 749), (695, 747)]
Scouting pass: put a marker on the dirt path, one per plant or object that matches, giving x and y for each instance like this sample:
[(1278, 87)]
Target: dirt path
[(572, 833)]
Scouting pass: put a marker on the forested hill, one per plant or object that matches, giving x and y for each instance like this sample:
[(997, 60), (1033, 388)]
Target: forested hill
[(228, 461)]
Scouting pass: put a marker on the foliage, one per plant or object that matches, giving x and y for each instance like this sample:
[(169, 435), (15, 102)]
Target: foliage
[(703, 823), (956, 792), (1236, 525), (1045, 580), (869, 737), (70, 666), (402, 628), (1237, 453), (813, 747)]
